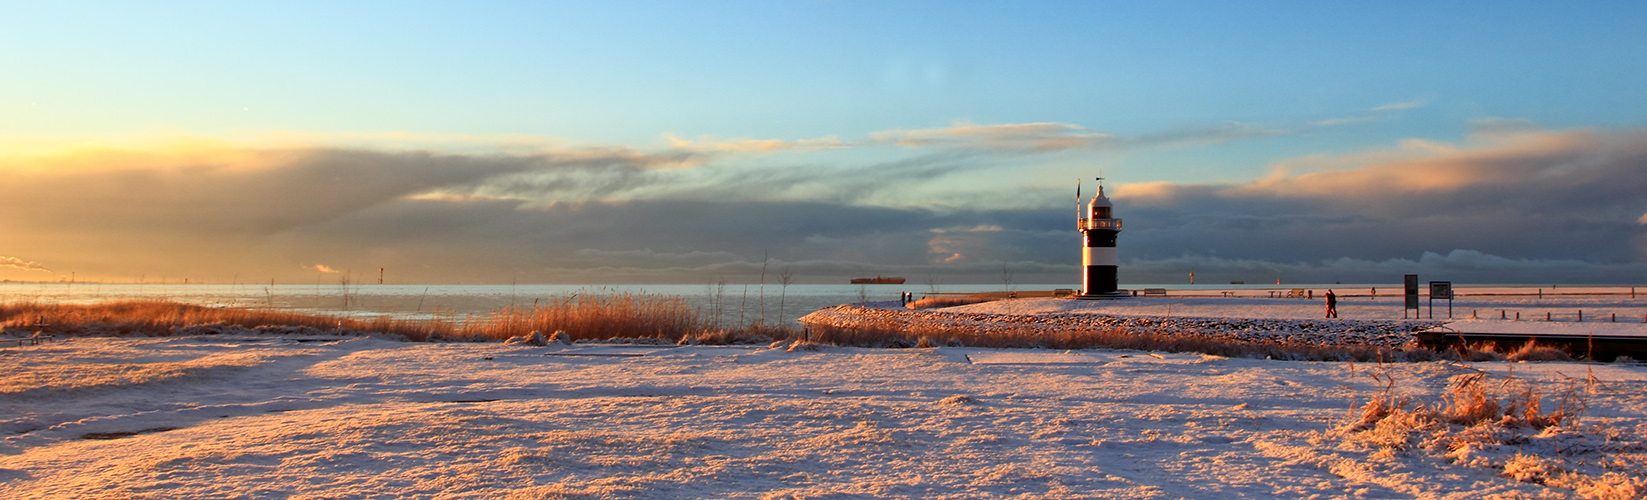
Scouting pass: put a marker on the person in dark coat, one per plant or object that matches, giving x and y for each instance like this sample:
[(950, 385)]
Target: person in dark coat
[(1332, 304)]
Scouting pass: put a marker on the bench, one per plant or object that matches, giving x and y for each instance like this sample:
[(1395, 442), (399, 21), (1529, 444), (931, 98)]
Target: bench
[(1155, 292), (27, 341), (1296, 293)]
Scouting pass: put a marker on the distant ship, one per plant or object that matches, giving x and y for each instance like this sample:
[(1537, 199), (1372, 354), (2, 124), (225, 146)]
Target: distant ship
[(878, 280)]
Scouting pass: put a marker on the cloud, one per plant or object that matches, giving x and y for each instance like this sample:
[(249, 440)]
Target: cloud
[(1467, 266), (1404, 105), (1527, 196), (174, 143), (1376, 114), (1017, 136), (1538, 201), (1046, 137), (14, 262), (322, 268), (261, 191), (713, 144), (969, 138)]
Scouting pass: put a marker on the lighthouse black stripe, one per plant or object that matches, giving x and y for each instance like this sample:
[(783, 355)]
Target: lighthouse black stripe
[(1100, 279), (1101, 238)]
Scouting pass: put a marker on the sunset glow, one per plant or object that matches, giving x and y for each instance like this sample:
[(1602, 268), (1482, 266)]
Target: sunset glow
[(541, 143)]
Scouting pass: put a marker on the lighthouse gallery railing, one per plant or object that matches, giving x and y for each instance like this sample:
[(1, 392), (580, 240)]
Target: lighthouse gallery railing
[(1112, 224)]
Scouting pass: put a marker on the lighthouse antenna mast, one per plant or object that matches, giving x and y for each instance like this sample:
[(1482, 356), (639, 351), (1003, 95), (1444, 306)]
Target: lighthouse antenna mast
[(1077, 198)]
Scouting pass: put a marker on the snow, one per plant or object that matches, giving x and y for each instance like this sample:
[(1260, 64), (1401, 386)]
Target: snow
[(314, 416), (1255, 315), (1070, 315), (1250, 304), (1551, 328)]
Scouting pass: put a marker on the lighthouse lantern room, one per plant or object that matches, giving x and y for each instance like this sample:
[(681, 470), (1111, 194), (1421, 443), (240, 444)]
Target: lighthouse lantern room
[(1098, 230)]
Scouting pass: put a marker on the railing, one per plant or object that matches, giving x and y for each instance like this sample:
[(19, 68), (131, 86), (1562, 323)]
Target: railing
[(1088, 224)]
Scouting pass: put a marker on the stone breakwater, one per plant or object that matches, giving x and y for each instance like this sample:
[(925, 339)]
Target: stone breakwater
[(1312, 332)]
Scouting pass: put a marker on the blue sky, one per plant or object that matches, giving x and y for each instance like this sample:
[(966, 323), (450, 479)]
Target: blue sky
[(615, 72), (959, 114)]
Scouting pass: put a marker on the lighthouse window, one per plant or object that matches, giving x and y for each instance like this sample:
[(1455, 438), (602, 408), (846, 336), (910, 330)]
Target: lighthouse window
[(1100, 212)]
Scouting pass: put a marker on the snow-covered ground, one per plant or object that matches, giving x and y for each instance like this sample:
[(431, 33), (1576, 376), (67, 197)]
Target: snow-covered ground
[(1361, 318), (1597, 308), (245, 416)]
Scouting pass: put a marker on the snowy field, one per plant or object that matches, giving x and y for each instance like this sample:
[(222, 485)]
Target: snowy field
[(1260, 316), (244, 416), (1599, 304)]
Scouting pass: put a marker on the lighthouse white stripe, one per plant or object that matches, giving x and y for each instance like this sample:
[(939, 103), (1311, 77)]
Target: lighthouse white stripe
[(1099, 256)]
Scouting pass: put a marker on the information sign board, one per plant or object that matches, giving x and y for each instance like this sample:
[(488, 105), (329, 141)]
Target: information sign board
[(1441, 289), (1412, 291)]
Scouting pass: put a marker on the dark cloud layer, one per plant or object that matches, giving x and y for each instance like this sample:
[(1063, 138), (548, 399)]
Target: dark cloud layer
[(1537, 203), (1520, 207)]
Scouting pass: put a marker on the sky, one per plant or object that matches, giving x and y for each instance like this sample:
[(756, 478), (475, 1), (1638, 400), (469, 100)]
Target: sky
[(695, 142)]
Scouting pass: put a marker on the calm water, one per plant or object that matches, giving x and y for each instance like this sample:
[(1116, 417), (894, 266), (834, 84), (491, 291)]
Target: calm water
[(738, 304)]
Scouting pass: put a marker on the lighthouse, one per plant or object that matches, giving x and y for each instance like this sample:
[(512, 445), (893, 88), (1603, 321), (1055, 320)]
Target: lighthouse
[(1098, 230)]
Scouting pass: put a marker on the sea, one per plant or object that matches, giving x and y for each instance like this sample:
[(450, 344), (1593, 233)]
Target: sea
[(738, 304)]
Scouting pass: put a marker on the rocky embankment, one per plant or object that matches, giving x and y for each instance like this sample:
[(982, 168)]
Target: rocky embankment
[(1321, 332)]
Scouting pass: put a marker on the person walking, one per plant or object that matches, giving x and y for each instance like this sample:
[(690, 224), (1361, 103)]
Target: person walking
[(1332, 304)]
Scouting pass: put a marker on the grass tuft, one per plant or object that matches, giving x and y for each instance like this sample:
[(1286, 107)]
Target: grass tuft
[(1532, 351), (932, 302)]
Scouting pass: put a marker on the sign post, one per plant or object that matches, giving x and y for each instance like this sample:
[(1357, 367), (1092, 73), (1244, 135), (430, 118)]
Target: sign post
[(1441, 290), (1411, 302)]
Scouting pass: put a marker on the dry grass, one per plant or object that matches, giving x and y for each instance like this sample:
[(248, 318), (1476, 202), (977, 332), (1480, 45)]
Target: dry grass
[(1479, 414), (748, 335), (655, 318), (161, 318), (931, 302), (1529, 351), (1533, 351), (582, 317), (592, 317), (1471, 400), (891, 333), (661, 319)]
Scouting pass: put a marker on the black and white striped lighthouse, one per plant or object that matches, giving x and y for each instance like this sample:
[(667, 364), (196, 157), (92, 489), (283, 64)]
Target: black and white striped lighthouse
[(1098, 230)]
